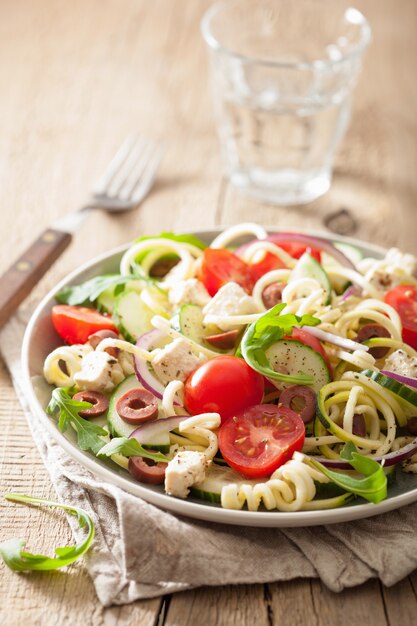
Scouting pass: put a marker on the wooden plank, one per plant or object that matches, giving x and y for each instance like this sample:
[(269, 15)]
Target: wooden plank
[(401, 601), (219, 606), (301, 602)]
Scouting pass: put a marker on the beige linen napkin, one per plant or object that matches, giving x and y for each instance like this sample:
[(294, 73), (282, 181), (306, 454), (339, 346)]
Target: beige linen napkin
[(141, 551)]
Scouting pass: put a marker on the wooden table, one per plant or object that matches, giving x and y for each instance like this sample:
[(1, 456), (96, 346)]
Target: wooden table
[(75, 79)]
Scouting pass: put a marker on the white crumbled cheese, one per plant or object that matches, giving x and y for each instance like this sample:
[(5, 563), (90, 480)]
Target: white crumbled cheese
[(231, 299), (176, 361), (99, 372), (183, 471), (400, 363), (126, 362), (190, 291), (395, 269)]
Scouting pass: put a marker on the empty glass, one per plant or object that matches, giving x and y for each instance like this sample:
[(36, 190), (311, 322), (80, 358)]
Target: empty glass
[(282, 76)]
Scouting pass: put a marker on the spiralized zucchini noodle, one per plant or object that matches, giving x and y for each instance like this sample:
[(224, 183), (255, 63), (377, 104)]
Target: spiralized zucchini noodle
[(171, 323)]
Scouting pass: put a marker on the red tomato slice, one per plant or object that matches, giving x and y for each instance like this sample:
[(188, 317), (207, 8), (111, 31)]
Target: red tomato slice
[(404, 300), (76, 323), (257, 441), (296, 250), (225, 385), (220, 266), (269, 262)]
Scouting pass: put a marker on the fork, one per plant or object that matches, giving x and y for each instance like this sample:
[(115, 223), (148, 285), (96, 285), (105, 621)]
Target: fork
[(125, 183)]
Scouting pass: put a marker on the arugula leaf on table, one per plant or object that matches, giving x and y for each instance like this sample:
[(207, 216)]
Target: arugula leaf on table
[(88, 292), (266, 331), (130, 447), (19, 560), (373, 485), (89, 434)]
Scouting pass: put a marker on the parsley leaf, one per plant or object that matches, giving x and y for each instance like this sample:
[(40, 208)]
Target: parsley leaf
[(88, 292), (19, 560), (266, 331), (373, 485), (89, 435), (130, 447)]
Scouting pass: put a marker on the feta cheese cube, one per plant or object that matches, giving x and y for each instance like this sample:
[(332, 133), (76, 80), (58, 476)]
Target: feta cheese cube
[(190, 291), (231, 299), (394, 269), (400, 363), (183, 471), (99, 372), (176, 361)]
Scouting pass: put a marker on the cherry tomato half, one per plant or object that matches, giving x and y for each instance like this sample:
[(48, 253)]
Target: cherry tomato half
[(225, 385), (308, 340), (220, 266), (404, 300), (76, 323), (260, 439)]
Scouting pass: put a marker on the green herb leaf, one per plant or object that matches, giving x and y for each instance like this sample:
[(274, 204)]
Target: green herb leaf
[(266, 331), (19, 560), (89, 434), (192, 239), (88, 292), (373, 487), (130, 447)]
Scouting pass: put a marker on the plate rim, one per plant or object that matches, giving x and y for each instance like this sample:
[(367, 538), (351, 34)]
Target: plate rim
[(195, 510)]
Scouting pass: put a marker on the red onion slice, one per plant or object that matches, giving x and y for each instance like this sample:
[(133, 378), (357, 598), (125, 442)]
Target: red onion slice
[(353, 290), (145, 376), (405, 380), (316, 242), (146, 434), (392, 458)]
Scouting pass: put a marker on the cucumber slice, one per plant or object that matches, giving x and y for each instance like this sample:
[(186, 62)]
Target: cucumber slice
[(395, 387), (210, 489), (106, 300), (351, 252), (293, 357), (119, 428), (131, 315), (308, 267), (189, 322)]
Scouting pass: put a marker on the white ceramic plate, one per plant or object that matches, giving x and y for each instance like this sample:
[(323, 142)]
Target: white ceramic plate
[(40, 339)]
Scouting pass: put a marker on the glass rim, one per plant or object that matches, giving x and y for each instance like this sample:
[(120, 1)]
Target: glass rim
[(213, 43)]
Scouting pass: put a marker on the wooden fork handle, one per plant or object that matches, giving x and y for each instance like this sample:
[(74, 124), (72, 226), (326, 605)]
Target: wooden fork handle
[(19, 280)]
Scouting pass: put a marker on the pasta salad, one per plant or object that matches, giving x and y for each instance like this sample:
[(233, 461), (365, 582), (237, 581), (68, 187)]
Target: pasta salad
[(280, 373)]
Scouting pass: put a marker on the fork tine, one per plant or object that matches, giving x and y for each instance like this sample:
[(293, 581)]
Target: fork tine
[(137, 171), (146, 181), (104, 181), (125, 171)]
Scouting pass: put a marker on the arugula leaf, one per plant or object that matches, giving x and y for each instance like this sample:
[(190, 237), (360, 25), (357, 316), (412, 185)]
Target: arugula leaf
[(88, 292), (19, 560), (266, 331), (130, 447), (89, 435), (373, 487)]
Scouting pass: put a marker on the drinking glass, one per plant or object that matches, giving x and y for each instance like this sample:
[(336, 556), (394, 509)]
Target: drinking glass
[(282, 74)]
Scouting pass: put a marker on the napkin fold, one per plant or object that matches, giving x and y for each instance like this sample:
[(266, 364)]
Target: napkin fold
[(141, 551)]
